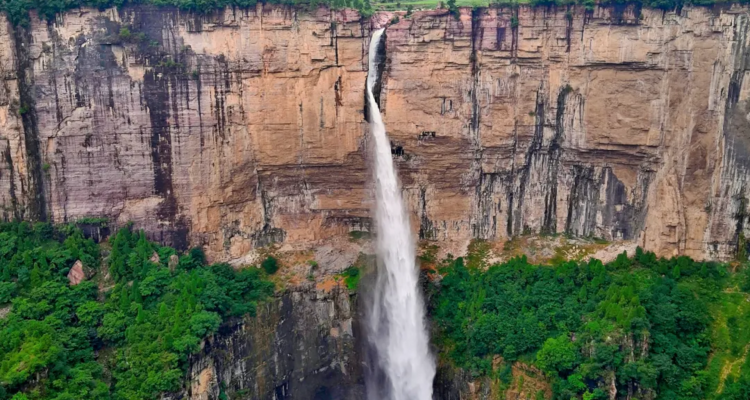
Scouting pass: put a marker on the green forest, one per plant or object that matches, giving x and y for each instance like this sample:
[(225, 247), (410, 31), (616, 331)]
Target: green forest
[(656, 328), (652, 327), (129, 339)]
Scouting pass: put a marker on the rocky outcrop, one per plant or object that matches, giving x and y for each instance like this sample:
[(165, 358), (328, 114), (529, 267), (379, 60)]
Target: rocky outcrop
[(245, 127), (301, 346), (517, 381), (76, 274)]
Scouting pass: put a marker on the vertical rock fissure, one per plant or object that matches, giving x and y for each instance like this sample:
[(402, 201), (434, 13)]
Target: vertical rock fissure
[(740, 217), (624, 217), (334, 40), (54, 73), (198, 95), (156, 96), (582, 202), (37, 209), (479, 227), (554, 152), (378, 84), (222, 86), (509, 218), (534, 148), (486, 225), (512, 180), (514, 33), (426, 227), (568, 27), (476, 36), (12, 184), (268, 234), (338, 98)]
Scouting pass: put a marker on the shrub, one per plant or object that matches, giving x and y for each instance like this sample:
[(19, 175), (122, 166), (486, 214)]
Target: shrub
[(270, 265), (351, 277), (453, 8), (358, 235), (125, 34)]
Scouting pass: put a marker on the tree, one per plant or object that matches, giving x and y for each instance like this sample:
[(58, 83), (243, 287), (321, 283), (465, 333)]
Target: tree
[(452, 8), (557, 354), (270, 265), (7, 290), (36, 276)]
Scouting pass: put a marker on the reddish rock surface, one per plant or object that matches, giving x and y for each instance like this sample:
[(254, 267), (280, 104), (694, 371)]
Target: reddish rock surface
[(76, 274), (245, 127)]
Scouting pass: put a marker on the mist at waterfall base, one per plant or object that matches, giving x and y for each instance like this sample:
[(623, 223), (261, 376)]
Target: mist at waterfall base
[(401, 365)]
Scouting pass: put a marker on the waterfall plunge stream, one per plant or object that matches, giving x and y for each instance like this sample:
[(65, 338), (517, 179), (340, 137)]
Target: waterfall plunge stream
[(396, 320)]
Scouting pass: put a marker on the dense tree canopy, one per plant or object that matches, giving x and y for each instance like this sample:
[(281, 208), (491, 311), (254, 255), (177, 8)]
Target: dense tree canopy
[(129, 341), (653, 327)]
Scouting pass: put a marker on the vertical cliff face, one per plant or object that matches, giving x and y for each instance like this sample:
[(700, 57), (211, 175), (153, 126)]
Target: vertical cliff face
[(13, 172), (570, 122), (232, 131), (301, 346), (245, 127)]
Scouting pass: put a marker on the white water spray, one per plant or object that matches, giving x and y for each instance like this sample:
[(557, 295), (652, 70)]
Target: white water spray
[(397, 319)]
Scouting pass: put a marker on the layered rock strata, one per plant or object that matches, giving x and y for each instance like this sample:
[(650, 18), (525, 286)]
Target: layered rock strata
[(245, 127)]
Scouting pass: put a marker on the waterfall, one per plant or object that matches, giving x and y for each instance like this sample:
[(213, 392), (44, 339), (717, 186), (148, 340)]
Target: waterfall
[(396, 320)]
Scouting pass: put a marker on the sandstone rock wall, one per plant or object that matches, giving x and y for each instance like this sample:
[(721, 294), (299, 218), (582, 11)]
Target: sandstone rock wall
[(573, 123), (245, 127)]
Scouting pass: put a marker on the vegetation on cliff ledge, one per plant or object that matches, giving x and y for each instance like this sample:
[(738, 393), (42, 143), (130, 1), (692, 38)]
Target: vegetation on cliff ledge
[(129, 338), (643, 327), (18, 10)]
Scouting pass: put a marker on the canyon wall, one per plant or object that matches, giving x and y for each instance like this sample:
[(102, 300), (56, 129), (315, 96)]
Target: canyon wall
[(245, 127)]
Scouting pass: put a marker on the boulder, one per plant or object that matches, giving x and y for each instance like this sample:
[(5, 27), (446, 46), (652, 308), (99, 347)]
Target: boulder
[(76, 274)]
